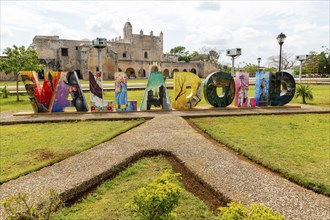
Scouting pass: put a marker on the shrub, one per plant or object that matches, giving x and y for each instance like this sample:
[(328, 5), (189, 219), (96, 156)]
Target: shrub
[(156, 200), (305, 92), (237, 211), (4, 92), (19, 206)]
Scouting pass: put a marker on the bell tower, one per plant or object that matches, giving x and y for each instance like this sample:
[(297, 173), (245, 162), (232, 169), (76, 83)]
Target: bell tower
[(128, 30)]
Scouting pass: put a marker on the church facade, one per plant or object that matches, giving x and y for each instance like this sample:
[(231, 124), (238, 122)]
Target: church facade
[(136, 54)]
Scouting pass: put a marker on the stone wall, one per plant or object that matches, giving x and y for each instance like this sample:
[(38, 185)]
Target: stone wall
[(136, 54)]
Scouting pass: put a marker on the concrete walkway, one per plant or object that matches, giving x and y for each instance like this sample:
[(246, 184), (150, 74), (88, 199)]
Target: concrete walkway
[(168, 132)]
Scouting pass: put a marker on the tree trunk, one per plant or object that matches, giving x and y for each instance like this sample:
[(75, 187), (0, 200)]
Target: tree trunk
[(17, 94), (304, 101)]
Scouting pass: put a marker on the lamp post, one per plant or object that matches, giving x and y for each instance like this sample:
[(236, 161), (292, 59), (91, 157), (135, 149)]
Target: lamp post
[(99, 43), (233, 53), (301, 58), (259, 59), (280, 39)]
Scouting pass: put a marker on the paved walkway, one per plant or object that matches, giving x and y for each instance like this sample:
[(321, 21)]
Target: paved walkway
[(168, 132)]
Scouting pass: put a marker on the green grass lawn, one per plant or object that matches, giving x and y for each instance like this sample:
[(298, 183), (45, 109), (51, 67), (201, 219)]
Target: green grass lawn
[(321, 95), (28, 147), (295, 145), (109, 200)]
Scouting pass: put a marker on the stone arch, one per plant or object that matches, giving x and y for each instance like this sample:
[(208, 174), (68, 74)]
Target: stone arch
[(166, 73), (142, 73), (193, 70), (174, 70), (154, 69), (130, 72), (120, 70), (184, 70)]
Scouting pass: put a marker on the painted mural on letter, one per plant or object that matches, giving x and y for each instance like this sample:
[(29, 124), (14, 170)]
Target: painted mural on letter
[(155, 93), (41, 98), (54, 94), (122, 102), (69, 85), (242, 90), (180, 98), (261, 91), (282, 88), (96, 93), (219, 79)]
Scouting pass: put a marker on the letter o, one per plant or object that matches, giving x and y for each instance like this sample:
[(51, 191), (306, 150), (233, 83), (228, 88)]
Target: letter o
[(219, 79)]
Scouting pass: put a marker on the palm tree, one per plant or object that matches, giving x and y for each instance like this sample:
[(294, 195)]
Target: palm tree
[(305, 92)]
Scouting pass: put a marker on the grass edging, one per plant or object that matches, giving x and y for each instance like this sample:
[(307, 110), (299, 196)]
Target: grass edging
[(72, 195)]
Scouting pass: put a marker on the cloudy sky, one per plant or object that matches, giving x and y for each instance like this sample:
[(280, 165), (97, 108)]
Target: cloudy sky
[(250, 25)]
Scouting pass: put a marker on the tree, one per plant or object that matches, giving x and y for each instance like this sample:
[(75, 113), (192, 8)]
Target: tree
[(226, 68), (181, 52), (287, 61), (19, 59), (305, 92), (212, 55), (270, 69), (196, 56), (296, 71), (318, 63), (251, 68)]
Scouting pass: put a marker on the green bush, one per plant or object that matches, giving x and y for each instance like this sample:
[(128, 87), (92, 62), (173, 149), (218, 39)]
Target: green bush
[(4, 92), (20, 206), (156, 200), (237, 211)]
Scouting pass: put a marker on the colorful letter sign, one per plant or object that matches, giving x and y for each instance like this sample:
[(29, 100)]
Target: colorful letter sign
[(261, 91), (155, 93), (219, 79), (40, 98), (241, 90), (180, 99), (69, 84), (280, 97), (274, 89), (96, 93), (122, 104), (53, 96)]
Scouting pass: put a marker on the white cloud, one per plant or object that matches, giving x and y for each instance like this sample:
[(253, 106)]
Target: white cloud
[(209, 6), (6, 33), (250, 25)]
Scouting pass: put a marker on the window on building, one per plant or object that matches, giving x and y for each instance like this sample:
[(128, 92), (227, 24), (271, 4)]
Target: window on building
[(65, 52), (145, 54), (76, 48), (124, 54)]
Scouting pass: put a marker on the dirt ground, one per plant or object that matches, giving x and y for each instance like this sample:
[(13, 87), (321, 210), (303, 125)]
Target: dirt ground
[(197, 187)]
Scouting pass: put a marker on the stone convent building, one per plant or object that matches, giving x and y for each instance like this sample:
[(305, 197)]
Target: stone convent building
[(136, 54)]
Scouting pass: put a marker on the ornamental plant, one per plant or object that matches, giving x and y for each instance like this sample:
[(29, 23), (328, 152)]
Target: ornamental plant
[(4, 92), (305, 92), (156, 200), (237, 211), (20, 206)]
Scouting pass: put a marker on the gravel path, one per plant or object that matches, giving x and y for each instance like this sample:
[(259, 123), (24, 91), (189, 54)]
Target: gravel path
[(237, 179)]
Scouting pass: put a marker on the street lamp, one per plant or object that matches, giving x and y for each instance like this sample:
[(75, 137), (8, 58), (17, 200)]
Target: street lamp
[(280, 39), (233, 53), (301, 58), (259, 59), (99, 43)]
